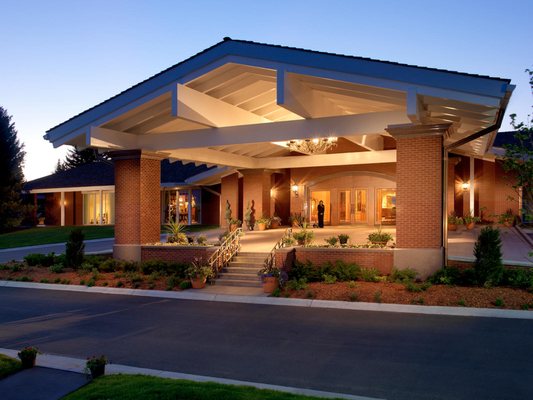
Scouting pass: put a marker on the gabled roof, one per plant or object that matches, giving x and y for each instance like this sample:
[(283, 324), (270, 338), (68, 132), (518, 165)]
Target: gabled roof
[(99, 174)]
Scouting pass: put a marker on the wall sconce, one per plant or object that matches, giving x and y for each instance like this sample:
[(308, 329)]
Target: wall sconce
[(294, 188), (465, 186)]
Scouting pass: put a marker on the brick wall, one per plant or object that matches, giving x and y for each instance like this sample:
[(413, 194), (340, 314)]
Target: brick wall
[(381, 259), (256, 190), (229, 192), (181, 254), (418, 193), (137, 202)]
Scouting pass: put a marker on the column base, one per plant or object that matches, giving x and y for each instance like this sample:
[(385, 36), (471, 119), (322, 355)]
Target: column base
[(425, 261), (127, 252)]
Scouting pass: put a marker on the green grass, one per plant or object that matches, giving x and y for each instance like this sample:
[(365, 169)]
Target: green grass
[(51, 234), (59, 234), (148, 387), (8, 366)]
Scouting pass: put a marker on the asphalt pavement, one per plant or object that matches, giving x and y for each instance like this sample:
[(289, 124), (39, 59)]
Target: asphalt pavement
[(374, 354)]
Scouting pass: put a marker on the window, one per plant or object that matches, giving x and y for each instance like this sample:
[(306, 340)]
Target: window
[(98, 208), (386, 206)]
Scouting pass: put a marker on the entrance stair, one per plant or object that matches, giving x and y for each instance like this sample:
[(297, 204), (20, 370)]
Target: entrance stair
[(242, 270)]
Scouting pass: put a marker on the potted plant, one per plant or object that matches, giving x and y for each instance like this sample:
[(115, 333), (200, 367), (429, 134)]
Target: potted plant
[(275, 222), (454, 221), (269, 277), (507, 218), (198, 273), (343, 239), (95, 366), (380, 238), (297, 220), (40, 219), (303, 237), (262, 223), (332, 241), (234, 223), (470, 220), (248, 217), (176, 232), (27, 356)]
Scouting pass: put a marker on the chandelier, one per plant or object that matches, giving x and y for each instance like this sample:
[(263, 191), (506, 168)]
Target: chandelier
[(312, 146)]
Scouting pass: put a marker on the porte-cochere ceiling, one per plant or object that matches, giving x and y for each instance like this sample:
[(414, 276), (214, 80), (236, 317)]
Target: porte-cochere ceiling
[(238, 103)]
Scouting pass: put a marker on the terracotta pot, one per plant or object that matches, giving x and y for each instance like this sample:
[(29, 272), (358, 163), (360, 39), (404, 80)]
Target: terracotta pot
[(274, 224), (198, 283), (270, 283), (261, 226), (28, 362), (452, 227), (97, 371), (470, 226)]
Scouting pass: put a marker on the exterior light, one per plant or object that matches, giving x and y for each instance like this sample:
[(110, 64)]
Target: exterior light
[(294, 188), (312, 146), (465, 186)]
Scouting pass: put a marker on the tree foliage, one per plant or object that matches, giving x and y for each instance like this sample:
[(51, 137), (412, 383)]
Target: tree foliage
[(518, 160), (488, 252), (11, 175), (76, 157)]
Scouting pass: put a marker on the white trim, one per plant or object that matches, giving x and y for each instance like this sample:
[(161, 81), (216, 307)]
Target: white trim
[(73, 189), (62, 208)]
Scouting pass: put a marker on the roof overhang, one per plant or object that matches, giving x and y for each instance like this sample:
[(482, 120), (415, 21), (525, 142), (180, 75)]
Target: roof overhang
[(236, 102)]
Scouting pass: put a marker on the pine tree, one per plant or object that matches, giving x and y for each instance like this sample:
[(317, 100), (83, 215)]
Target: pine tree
[(11, 175), (60, 167), (76, 157)]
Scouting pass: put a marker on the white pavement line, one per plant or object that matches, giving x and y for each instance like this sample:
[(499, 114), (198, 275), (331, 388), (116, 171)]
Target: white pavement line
[(44, 246), (280, 301), (78, 365)]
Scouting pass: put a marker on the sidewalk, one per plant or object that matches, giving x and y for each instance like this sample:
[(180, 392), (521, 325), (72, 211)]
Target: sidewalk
[(56, 376)]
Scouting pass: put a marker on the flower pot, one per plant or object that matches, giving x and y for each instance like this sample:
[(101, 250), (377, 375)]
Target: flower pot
[(301, 242), (452, 227), (198, 283), (382, 243), (28, 362), (274, 224), (270, 283), (97, 370), (261, 226), (470, 226)]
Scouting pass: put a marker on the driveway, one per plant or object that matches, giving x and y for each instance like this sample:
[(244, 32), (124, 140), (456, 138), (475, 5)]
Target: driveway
[(376, 354)]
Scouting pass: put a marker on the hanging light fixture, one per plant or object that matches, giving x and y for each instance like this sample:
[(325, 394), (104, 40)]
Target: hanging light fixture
[(312, 146)]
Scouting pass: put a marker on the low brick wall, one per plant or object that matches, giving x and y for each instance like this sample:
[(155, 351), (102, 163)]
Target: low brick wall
[(381, 259), (181, 254)]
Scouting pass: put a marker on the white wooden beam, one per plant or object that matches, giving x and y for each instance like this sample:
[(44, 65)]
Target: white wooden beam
[(415, 108), (111, 139), (369, 142), (275, 131), (199, 107), (209, 156)]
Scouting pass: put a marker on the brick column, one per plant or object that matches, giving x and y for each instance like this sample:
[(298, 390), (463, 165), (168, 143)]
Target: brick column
[(256, 190), (419, 196), (137, 202), (229, 188)]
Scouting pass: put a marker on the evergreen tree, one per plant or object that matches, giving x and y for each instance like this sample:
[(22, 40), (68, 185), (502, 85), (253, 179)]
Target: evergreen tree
[(60, 167), (77, 157), (11, 175)]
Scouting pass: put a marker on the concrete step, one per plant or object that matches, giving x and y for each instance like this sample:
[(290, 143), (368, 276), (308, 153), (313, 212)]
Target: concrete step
[(251, 254), (252, 260), (238, 282), (236, 276), (257, 265), (242, 270)]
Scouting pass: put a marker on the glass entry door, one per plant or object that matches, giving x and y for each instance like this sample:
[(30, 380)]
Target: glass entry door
[(353, 206)]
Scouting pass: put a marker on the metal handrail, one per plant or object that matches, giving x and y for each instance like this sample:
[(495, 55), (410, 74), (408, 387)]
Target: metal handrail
[(223, 255), (270, 261)]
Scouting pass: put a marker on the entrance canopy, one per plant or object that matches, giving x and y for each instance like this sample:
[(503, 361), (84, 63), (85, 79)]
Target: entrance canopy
[(238, 103)]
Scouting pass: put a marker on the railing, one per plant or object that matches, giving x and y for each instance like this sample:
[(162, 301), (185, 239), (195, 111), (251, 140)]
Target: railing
[(270, 261), (229, 247)]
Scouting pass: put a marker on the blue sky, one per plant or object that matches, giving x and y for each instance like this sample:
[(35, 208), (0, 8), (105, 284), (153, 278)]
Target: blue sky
[(62, 57)]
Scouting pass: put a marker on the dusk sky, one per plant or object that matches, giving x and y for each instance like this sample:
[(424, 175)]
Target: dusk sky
[(61, 57)]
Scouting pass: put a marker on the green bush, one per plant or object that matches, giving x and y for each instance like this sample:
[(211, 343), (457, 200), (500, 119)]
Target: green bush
[(487, 250), (297, 284), (332, 241), (370, 274), (417, 288), (345, 271), (518, 278), (184, 285), (75, 248), (56, 268), (403, 275), (43, 260), (329, 279), (109, 265)]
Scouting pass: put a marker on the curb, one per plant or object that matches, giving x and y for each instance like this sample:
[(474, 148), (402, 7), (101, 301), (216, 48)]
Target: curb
[(77, 365), (277, 301)]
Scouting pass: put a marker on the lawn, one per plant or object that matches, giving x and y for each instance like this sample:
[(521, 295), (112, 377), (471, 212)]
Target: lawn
[(8, 366), (148, 387), (59, 234)]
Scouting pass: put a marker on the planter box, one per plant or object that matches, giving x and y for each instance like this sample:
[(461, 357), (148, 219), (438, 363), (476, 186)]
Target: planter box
[(180, 254)]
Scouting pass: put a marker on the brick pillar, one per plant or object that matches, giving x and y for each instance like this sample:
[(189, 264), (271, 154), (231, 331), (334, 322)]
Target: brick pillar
[(419, 197), (452, 186), (137, 202), (229, 193), (256, 190)]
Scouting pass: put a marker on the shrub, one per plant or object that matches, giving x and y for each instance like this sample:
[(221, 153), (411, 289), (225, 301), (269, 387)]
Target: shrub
[(499, 302), (297, 284), (417, 288), (343, 238), (86, 267), (354, 296), (487, 250), (329, 279), (377, 296), (36, 259), (75, 248), (518, 278), (185, 285), (56, 268), (344, 271), (403, 275), (173, 281), (370, 274), (16, 267), (304, 270), (446, 276), (108, 265), (201, 240), (332, 241)]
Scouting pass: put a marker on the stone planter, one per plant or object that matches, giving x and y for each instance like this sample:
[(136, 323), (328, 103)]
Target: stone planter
[(261, 226)]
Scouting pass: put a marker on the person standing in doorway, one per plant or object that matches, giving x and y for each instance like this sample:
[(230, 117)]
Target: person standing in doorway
[(320, 210)]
